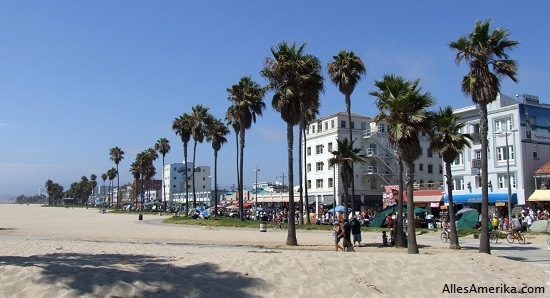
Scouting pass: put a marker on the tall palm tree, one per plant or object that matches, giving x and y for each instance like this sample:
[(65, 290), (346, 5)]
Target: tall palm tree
[(117, 155), (485, 51), (216, 133), (448, 141), (403, 107), (344, 156), (104, 177), (163, 147), (182, 127), (231, 117), (308, 115), (247, 99), (345, 72), (150, 170), (295, 78), (93, 184), (112, 173), (199, 118), (135, 169)]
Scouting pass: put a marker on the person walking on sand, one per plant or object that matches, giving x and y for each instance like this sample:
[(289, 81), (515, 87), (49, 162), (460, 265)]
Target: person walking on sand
[(338, 234), (348, 246), (356, 230)]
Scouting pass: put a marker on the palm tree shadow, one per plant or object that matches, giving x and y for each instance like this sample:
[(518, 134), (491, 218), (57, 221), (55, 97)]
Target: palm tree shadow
[(134, 275)]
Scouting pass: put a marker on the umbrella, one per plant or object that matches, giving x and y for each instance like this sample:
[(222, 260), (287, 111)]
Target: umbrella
[(468, 220), (232, 207), (463, 210), (338, 209)]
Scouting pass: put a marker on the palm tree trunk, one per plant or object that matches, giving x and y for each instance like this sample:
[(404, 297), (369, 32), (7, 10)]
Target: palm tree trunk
[(193, 176), (238, 158), (305, 178), (241, 175), (117, 187), (453, 235), (291, 237), (301, 204), (348, 107), (412, 246), (186, 188), (215, 184), (484, 246), (163, 185), (399, 240)]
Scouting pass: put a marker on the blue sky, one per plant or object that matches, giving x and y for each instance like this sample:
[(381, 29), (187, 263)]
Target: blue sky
[(80, 77)]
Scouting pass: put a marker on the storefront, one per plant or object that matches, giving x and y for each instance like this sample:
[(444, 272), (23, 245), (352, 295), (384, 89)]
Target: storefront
[(498, 202)]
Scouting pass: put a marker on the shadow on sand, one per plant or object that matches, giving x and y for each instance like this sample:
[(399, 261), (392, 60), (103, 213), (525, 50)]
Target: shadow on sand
[(135, 275)]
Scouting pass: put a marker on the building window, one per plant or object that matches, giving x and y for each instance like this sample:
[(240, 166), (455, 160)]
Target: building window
[(430, 169), (380, 128), (430, 153), (458, 183), (459, 160), (309, 184), (319, 127), (352, 125), (423, 133), (330, 182), (308, 166), (440, 169), (313, 128), (326, 125), (319, 166), (332, 123), (330, 147), (421, 167), (501, 153), (174, 186), (363, 125), (319, 183), (343, 123), (503, 181), (535, 152), (308, 150), (503, 124), (319, 149), (477, 154)]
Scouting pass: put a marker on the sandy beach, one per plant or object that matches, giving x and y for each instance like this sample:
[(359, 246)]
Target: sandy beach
[(58, 252)]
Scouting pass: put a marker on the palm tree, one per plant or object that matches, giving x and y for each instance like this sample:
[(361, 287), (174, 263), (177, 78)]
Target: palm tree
[(150, 156), (104, 177), (486, 53), (231, 117), (199, 118), (345, 72), (344, 156), (308, 115), (247, 99), (403, 107), (93, 184), (135, 169), (449, 142), (182, 127), (297, 82), (216, 133), (112, 173), (163, 147), (117, 155)]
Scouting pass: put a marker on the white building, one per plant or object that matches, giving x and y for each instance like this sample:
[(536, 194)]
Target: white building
[(380, 170), (176, 189), (523, 127)]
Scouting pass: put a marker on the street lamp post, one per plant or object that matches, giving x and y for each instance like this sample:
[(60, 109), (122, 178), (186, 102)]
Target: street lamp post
[(508, 173), (256, 187)]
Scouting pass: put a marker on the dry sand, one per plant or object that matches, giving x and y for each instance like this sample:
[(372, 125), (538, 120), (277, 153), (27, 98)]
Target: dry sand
[(58, 252)]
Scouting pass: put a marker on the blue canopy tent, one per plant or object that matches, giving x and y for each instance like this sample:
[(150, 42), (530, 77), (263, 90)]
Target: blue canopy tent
[(475, 198), (338, 209)]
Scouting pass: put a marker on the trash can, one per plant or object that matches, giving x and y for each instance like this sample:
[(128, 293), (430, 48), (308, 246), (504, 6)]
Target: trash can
[(140, 216), (430, 225), (263, 226)]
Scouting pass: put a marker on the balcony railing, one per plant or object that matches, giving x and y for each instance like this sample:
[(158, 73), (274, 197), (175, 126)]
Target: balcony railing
[(476, 138), (372, 170)]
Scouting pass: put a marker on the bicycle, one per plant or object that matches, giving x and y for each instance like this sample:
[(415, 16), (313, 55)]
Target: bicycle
[(515, 235), (445, 236), (493, 237)]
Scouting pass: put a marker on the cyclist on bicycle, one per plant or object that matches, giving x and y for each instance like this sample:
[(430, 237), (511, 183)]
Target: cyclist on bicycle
[(516, 225)]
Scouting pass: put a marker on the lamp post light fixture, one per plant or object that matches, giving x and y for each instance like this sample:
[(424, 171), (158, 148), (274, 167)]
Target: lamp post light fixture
[(505, 134)]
